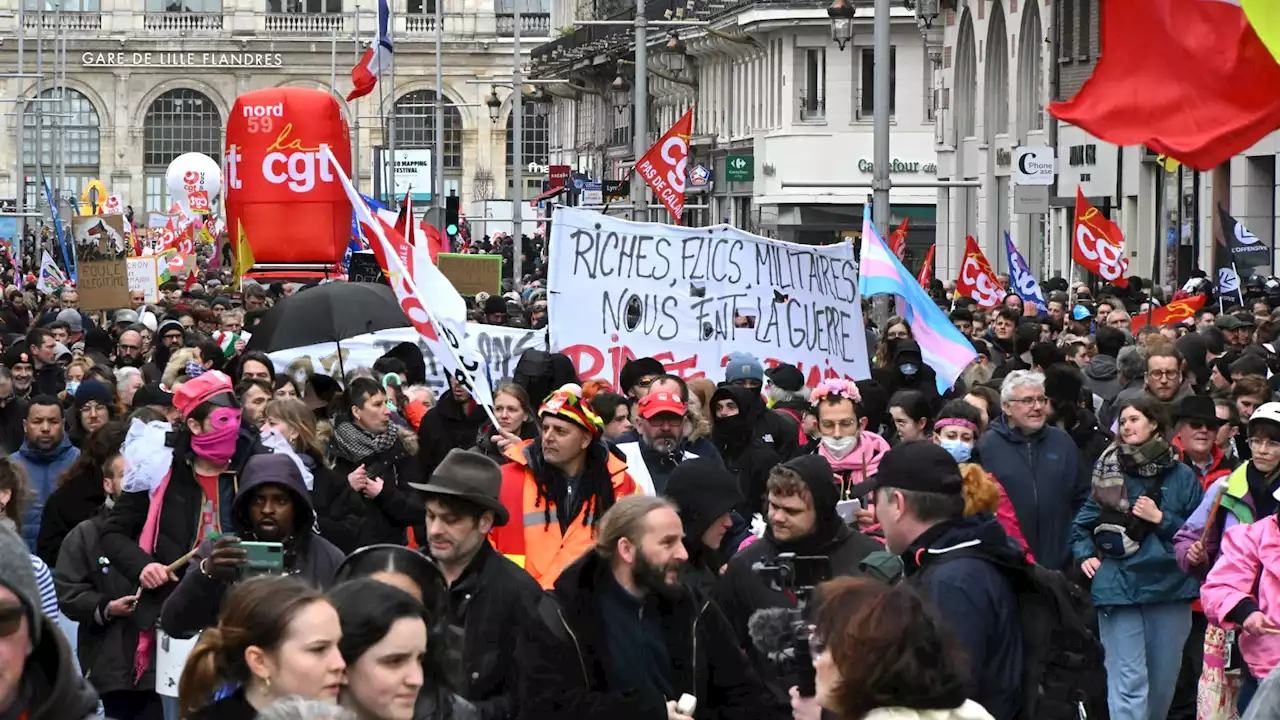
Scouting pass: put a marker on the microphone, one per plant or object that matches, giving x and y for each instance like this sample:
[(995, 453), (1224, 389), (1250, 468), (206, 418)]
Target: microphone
[(771, 631)]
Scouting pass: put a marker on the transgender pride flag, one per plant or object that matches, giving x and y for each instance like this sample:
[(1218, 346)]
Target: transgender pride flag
[(880, 273)]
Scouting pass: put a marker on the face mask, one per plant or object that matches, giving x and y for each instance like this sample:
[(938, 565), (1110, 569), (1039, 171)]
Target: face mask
[(839, 446), (908, 369), (959, 449), (219, 444), (72, 386)]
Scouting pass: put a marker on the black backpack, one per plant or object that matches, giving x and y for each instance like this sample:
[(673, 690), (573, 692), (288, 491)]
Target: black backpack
[(1063, 673)]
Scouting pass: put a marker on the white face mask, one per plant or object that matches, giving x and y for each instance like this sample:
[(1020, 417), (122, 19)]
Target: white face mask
[(839, 446)]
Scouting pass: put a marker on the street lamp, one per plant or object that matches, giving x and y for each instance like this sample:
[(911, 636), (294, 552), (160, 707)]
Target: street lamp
[(620, 93), (539, 100), (494, 105), (841, 14), (926, 10), (675, 54)]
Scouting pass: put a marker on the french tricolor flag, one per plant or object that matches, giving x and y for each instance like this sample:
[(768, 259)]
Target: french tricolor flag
[(377, 57)]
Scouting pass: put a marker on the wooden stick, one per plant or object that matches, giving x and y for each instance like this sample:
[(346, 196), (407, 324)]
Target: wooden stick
[(176, 565), (1213, 515), (1271, 631)]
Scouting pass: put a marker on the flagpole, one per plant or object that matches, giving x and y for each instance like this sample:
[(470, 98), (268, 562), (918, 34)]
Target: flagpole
[(333, 61), (1239, 292), (355, 108), (391, 141)]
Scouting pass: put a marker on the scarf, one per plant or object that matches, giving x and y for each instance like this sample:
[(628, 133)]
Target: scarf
[(355, 443), (1151, 458), (861, 464)]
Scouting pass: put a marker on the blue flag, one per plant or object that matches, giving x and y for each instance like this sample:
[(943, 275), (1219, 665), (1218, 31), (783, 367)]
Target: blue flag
[(1020, 276), (57, 228)]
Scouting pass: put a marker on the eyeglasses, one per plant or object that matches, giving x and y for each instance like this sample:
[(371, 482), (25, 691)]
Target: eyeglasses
[(1164, 374), (896, 336), (646, 381), (10, 619), (1031, 401), (829, 425), (1258, 444)]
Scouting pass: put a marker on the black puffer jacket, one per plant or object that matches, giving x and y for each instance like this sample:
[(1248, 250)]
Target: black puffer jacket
[(564, 656), (195, 604), (86, 582)]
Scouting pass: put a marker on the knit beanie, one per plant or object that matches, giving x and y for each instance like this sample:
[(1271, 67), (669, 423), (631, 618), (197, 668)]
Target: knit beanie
[(17, 575), (92, 390)]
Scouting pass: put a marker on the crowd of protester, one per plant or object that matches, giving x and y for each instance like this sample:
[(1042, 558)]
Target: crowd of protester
[(1081, 526)]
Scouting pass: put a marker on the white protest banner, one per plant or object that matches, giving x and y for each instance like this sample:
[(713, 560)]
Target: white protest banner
[(143, 276), (499, 347), (690, 296)]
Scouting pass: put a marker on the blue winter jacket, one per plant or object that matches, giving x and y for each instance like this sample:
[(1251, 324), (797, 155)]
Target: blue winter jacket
[(1151, 575), (1038, 472), (43, 468)]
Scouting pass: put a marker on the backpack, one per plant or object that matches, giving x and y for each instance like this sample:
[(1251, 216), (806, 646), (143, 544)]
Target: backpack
[(1120, 534), (1063, 673)]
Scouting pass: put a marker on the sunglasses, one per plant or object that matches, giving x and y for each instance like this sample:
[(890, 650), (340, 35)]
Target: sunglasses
[(10, 619), (1201, 425)]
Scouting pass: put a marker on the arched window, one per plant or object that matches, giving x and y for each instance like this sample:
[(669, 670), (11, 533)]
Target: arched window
[(60, 137), (415, 128), (179, 121), (535, 133)]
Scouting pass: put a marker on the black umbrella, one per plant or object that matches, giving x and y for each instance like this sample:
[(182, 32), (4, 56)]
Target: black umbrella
[(328, 313)]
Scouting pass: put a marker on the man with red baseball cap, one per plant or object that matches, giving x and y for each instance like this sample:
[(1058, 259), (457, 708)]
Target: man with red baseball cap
[(662, 444)]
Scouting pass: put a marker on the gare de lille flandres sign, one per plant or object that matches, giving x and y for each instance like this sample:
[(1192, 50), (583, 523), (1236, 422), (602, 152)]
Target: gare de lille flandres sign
[(181, 59)]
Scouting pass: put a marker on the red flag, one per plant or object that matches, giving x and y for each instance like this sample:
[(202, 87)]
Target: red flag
[(977, 279), (926, 270), (1194, 82), (1099, 244), (435, 241), (663, 166), (898, 239), (1171, 314)]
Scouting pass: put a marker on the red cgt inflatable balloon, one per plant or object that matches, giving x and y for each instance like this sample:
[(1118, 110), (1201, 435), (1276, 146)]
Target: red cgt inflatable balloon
[(278, 186)]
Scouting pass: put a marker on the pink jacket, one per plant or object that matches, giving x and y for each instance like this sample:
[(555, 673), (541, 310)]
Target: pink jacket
[(1248, 568)]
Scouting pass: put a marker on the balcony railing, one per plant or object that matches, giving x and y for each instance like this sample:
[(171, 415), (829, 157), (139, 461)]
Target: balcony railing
[(420, 24), (183, 22), (67, 21), (532, 25), (297, 23)]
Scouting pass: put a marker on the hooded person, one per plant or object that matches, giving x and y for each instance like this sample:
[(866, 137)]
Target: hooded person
[(908, 371), (1194, 348), (735, 412), (802, 520), (273, 505), (168, 337), (705, 494), (40, 680)]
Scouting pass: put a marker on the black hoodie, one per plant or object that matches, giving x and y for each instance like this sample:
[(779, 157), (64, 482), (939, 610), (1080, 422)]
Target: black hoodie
[(52, 688), (742, 592), (924, 380), (745, 455), (704, 491), (195, 603)]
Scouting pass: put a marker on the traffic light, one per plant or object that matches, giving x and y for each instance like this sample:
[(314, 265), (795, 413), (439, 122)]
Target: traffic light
[(451, 206)]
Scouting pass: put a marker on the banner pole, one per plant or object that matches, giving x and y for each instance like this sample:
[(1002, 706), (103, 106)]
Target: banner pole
[(1239, 292)]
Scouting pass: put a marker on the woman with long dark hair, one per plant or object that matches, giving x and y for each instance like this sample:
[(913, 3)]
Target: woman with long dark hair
[(391, 673), (276, 637), (80, 493)]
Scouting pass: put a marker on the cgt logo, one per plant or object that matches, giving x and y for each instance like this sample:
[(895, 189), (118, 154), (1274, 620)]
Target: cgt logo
[(1111, 261), (286, 162), (675, 153), (986, 292)]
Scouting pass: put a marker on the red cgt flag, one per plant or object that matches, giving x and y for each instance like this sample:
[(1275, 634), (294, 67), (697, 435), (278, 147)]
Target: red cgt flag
[(926, 270), (1194, 82), (1098, 244), (898, 239), (977, 279), (663, 166), (1171, 314)]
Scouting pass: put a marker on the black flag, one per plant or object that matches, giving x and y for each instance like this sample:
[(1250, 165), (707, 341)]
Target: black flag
[(1247, 251)]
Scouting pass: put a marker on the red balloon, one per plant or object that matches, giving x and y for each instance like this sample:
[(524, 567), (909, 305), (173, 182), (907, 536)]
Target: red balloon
[(279, 187)]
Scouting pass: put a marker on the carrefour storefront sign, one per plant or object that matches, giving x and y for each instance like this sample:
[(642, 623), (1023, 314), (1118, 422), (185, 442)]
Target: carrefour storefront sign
[(899, 166)]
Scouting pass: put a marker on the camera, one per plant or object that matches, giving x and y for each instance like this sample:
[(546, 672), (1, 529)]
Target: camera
[(782, 634)]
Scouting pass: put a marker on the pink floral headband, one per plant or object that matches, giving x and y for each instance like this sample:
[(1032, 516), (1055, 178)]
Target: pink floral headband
[(835, 387), (957, 422)]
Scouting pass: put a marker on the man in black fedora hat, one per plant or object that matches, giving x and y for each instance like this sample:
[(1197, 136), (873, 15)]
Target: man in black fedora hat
[(490, 597), (1196, 426)]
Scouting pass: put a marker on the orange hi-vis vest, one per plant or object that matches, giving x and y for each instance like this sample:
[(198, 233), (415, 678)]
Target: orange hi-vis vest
[(527, 538)]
